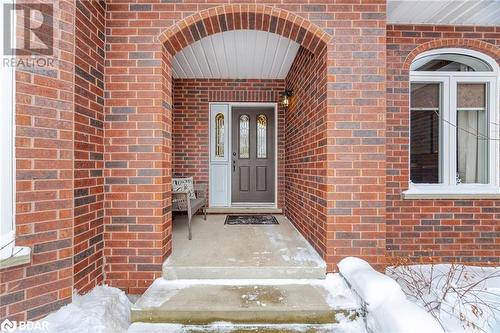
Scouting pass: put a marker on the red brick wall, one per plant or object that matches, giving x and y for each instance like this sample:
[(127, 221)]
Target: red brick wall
[(305, 147), (191, 121), (89, 144), (356, 133), (137, 121), (44, 180), (137, 140), (137, 145), (447, 230)]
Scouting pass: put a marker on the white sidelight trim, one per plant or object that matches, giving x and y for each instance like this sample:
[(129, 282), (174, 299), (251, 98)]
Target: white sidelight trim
[(218, 169)]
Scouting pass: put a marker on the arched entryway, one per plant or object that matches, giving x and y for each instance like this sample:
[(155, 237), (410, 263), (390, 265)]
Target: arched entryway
[(331, 159), (298, 165), (237, 17)]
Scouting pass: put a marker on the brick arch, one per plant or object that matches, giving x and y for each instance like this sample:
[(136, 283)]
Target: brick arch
[(234, 17), (473, 44)]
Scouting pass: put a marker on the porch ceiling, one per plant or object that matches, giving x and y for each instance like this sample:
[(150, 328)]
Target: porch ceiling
[(456, 12), (237, 54)]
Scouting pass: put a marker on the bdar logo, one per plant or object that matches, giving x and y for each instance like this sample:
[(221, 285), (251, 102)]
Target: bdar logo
[(8, 325)]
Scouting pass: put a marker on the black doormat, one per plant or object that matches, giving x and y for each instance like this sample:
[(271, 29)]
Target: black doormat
[(250, 219)]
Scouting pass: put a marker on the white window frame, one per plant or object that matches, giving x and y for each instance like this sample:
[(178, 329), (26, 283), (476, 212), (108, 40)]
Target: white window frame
[(10, 254), (449, 189), (7, 166)]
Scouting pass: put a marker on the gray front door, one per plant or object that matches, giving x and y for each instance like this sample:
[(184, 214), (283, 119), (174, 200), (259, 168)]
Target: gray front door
[(252, 158)]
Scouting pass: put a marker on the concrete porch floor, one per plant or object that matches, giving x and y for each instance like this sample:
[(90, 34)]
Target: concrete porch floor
[(219, 251)]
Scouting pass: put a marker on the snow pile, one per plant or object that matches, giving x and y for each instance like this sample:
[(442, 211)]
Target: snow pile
[(388, 309), (401, 316), (373, 288), (462, 298), (102, 310)]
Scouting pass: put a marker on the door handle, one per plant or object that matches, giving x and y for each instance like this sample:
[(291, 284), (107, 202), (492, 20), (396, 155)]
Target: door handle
[(234, 165)]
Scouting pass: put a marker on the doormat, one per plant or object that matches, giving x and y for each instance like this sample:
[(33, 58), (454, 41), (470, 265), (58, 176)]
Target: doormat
[(250, 219)]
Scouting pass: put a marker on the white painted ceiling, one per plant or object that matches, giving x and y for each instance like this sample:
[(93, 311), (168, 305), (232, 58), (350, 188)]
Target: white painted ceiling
[(458, 12), (237, 54)]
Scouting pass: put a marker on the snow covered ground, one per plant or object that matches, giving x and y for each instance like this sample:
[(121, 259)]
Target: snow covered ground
[(468, 299), (103, 310), (387, 308), (462, 298)]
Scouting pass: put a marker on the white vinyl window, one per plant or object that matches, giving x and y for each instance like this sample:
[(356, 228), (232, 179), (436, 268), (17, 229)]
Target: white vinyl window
[(7, 232), (454, 125)]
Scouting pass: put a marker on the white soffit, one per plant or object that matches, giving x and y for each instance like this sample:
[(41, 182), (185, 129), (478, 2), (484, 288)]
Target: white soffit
[(464, 12), (236, 54)]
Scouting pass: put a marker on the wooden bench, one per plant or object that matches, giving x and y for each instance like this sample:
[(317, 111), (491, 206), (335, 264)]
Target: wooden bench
[(181, 203)]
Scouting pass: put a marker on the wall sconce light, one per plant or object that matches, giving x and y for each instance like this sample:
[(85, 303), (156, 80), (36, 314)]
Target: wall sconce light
[(285, 98)]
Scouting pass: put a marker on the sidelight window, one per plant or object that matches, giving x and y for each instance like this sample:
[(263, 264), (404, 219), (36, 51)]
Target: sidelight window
[(261, 136), (219, 135)]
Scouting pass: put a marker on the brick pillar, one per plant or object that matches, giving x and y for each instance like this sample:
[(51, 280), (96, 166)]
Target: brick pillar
[(356, 134), (138, 162), (89, 145)]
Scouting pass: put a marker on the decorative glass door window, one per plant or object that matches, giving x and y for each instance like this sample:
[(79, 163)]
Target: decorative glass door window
[(219, 135), (244, 140), (454, 127), (261, 136)]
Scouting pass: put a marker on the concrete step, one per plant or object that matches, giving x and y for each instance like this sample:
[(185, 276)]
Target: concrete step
[(201, 302), (219, 251), (357, 326), (254, 272)]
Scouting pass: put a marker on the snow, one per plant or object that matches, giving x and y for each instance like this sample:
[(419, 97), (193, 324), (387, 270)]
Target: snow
[(388, 309), (106, 309), (373, 287), (401, 316), (103, 310), (296, 254), (426, 286)]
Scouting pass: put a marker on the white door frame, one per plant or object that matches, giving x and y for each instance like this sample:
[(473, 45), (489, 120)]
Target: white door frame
[(229, 135)]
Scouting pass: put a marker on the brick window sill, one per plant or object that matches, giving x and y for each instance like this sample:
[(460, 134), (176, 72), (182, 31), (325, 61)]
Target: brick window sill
[(21, 256), (459, 192)]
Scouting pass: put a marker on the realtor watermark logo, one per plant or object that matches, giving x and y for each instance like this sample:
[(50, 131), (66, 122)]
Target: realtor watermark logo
[(8, 326), (37, 29), (12, 325), (28, 34)]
